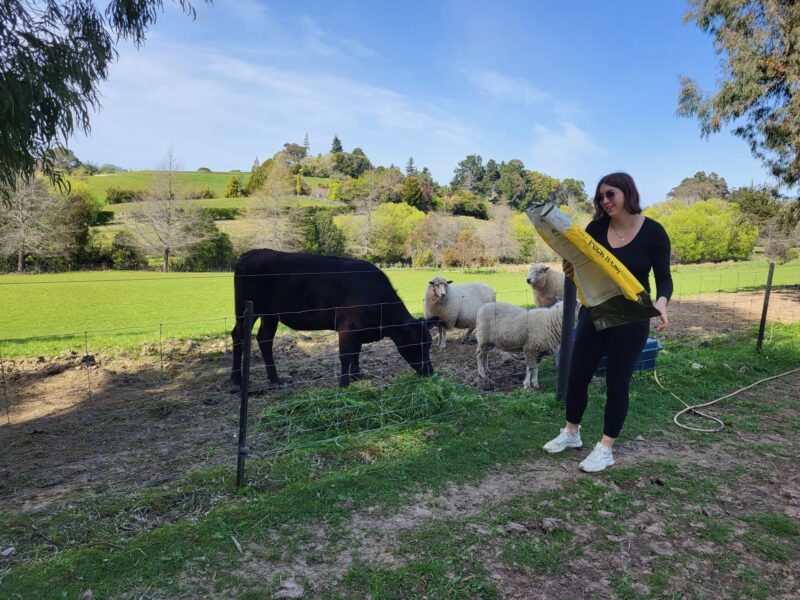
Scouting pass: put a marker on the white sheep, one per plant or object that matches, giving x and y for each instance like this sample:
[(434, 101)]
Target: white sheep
[(536, 332), (547, 284), (456, 305)]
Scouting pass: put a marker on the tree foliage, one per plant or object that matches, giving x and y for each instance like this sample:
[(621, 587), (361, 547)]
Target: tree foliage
[(759, 92), (708, 231), (700, 187), (54, 54)]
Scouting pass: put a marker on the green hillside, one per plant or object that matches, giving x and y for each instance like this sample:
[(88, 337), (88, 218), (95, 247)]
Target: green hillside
[(141, 180)]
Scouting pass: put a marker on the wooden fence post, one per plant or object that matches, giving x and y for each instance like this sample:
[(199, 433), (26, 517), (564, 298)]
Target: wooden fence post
[(249, 317), (760, 342)]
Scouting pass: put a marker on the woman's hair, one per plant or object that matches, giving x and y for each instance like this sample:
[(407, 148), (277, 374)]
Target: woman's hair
[(621, 181)]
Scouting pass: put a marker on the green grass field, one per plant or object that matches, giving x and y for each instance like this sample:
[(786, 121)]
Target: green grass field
[(113, 310), (140, 180)]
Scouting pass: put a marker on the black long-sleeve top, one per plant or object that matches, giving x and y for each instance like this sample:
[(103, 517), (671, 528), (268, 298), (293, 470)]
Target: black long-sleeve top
[(650, 248)]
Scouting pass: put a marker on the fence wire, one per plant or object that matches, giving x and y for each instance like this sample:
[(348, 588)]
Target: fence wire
[(93, 419)]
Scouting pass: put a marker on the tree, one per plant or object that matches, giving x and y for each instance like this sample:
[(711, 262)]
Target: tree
[(318, 232), (160, 224), (513, 184), (25, 222), (392, 224), (572, 193), (125, 252), (65, 160), (413, 194), (700, 187), (270, 205), (709, 230), (234, 187), (469, 205), (336, 145), (469, 174), (306, 145), (540, 188), (467, 251), (410, 168), (54, 56), (759, 89)]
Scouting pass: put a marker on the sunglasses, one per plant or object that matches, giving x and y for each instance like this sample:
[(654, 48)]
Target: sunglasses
[(608, 195)]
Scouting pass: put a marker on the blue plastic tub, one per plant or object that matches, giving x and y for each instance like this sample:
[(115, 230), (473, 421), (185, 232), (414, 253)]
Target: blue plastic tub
[(645, 362)]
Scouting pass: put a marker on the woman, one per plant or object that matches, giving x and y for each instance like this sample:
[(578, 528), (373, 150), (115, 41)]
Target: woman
[(640, 244)]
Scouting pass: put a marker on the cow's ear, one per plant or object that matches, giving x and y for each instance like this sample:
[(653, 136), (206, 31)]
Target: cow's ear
[(450, 281), (431, 321)]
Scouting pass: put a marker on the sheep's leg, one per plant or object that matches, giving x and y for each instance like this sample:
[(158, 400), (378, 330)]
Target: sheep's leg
[(465, 339), (483, 361), (442, 337), (531, 373), (265, 337)]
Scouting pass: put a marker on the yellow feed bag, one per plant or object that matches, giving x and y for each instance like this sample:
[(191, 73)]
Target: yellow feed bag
[(605, 286)]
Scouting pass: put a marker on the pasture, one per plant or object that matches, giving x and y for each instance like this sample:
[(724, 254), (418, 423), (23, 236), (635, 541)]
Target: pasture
[(118, 310), (142, 180), (117, 475)]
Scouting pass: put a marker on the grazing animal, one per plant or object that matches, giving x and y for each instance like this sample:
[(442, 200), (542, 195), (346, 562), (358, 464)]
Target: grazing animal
[(536, 332), (547, 285), (311, 292), (455, 305)]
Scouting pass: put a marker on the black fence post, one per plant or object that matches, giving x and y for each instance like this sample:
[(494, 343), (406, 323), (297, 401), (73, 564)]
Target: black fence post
[(760, 342), (567, 325), (249, 317)]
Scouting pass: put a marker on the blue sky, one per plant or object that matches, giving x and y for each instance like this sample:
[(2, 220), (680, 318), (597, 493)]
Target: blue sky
[(573, 89)]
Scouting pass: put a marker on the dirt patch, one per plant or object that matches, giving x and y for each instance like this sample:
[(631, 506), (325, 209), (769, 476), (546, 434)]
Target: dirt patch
[(88, 424)]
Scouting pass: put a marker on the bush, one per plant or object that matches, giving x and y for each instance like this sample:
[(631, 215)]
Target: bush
[(216, 254), (102, 217), (116, 195), (776, 249), (792, 253), (221, 214), (204, 170), (203, 193), (233, 188), (468, 205), (124, 253)]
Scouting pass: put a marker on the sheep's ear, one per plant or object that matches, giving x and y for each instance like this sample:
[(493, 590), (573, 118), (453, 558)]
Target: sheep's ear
[(430, 282), (450, 281), (545, 268)]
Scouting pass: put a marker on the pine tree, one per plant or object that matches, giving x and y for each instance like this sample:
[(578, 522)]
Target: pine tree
[(233, 189), (410, 168), (336, 146), (307, 145)]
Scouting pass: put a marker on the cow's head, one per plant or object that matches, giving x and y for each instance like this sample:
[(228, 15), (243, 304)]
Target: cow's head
[(537, 271), (413, 341), (439, 287)]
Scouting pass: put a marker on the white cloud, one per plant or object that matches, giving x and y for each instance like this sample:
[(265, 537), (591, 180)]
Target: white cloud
[(505, 87), (562, 145), (320, 42)]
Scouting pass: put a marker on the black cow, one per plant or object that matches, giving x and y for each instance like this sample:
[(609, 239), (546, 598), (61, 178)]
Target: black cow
[(311, 292)]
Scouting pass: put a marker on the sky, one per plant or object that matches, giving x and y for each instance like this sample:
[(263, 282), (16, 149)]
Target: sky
[(572, 89)]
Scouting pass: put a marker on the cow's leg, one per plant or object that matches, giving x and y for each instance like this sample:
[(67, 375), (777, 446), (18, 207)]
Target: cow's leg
[(265, 337), (349, 351)]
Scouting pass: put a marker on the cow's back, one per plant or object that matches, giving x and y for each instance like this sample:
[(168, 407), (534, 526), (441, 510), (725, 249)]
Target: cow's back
[(310, 291)]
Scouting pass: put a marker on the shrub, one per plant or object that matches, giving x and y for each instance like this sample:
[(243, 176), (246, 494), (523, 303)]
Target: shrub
[(234, 187), (204, 170), (115, 195), (102, 217), (109, 168), (776, 249), (203, 193), (468, 205), (216, 254), (221, 214), (124, 253)]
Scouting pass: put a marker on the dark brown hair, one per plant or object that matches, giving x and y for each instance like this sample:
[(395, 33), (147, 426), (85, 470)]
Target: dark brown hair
[(621, 181)]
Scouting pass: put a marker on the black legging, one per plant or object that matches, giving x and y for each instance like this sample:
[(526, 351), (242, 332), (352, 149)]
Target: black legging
[(622, 346)]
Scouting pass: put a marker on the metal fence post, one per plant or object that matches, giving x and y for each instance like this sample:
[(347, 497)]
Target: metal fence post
[(248, 319), (760, 342), (567, 325)]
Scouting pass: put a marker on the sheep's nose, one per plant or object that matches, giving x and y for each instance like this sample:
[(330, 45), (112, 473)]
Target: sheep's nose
[(529, 280)]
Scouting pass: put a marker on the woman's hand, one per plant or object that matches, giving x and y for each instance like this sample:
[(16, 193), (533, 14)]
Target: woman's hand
[(661, 306), (568, 269)]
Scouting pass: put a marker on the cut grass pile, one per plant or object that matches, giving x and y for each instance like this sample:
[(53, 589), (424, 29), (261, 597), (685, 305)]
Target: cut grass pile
[(166, 542)]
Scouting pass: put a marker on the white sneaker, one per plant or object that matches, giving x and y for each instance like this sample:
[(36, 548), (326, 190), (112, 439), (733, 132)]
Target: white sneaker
[(564, 440), (600, 458)]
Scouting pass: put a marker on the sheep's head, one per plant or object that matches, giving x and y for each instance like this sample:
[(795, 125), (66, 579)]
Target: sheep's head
[(537, 273), (439, 287)]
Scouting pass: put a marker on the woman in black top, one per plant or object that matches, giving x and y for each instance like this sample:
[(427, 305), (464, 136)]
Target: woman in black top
[(640, 244)]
